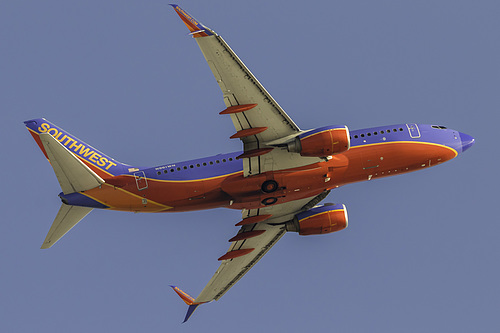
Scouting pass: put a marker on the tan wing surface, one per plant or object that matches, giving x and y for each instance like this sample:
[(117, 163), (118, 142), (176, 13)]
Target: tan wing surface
[(263, 236), (262, 119)]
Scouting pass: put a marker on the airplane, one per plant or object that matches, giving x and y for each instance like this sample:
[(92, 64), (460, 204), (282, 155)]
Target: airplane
[(277, 181)]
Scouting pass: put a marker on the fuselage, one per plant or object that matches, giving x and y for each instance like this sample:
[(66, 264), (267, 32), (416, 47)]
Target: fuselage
[(218, 181)]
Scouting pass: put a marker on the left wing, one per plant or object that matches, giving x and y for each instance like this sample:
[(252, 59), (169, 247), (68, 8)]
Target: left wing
[(259, 120), (260, 230)]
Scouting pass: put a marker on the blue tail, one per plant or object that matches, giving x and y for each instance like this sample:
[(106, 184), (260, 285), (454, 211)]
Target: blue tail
[(99, 162)]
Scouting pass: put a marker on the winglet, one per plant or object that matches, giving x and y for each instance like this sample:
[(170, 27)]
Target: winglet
[(190, 311), (188, 300), (185, 296), (197, 29)]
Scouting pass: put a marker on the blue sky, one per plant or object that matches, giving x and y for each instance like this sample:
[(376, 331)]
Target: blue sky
[(421, 250)]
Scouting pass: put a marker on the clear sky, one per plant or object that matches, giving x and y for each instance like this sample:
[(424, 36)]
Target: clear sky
[(421, 253)]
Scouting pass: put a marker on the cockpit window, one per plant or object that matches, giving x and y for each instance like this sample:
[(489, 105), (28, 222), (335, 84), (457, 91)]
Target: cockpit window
[(438, 127)]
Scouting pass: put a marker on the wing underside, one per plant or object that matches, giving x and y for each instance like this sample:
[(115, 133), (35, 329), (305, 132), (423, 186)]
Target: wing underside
[(251, 243), (256, 116), (262, 236), (232, 270)]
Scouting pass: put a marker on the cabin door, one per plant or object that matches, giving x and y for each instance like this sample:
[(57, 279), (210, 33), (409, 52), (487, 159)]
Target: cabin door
[(414, 131), (140, 180)]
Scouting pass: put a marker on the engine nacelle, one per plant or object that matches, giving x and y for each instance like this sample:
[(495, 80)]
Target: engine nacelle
[(322, 219), (321, 142)]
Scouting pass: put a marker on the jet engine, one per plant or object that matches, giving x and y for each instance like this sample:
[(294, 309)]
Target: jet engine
[(321, 142), (322, 219)]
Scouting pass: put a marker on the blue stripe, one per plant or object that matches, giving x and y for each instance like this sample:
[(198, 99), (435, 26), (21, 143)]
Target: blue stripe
[(203, 168), (78, 199), (319, 210), (319, 129), (446, 137), (78, 147)]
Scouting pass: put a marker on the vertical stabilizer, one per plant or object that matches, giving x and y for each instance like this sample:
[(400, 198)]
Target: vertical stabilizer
[(67, 217)]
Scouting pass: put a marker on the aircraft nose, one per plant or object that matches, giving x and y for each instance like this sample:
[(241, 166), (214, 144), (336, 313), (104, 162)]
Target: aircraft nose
[(467, 141)]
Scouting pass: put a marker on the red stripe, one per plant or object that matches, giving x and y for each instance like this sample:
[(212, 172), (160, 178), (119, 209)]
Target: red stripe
[(253, 219), (235, 254), (238, 108), (248, 132)]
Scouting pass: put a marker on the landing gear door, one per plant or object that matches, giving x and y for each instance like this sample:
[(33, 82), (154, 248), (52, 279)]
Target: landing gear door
[(140, 180), (414, 131)]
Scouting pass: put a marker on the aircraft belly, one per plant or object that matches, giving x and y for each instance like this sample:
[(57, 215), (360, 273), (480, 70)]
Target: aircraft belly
[(293, 184), (392, 158), (121, 193)]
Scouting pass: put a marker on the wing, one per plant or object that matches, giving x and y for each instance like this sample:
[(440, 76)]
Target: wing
[(260, 230), (257, 117), (251, 243)]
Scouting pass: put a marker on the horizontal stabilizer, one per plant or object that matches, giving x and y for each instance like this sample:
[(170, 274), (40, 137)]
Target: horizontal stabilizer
[(73, 175), (67, 217)]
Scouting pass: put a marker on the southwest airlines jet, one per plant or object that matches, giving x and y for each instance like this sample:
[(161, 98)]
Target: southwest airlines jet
[(277, 181)]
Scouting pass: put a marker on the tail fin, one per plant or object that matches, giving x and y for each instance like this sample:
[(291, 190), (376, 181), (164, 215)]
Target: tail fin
[(102, 165), (67, 217), (78, 167)]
